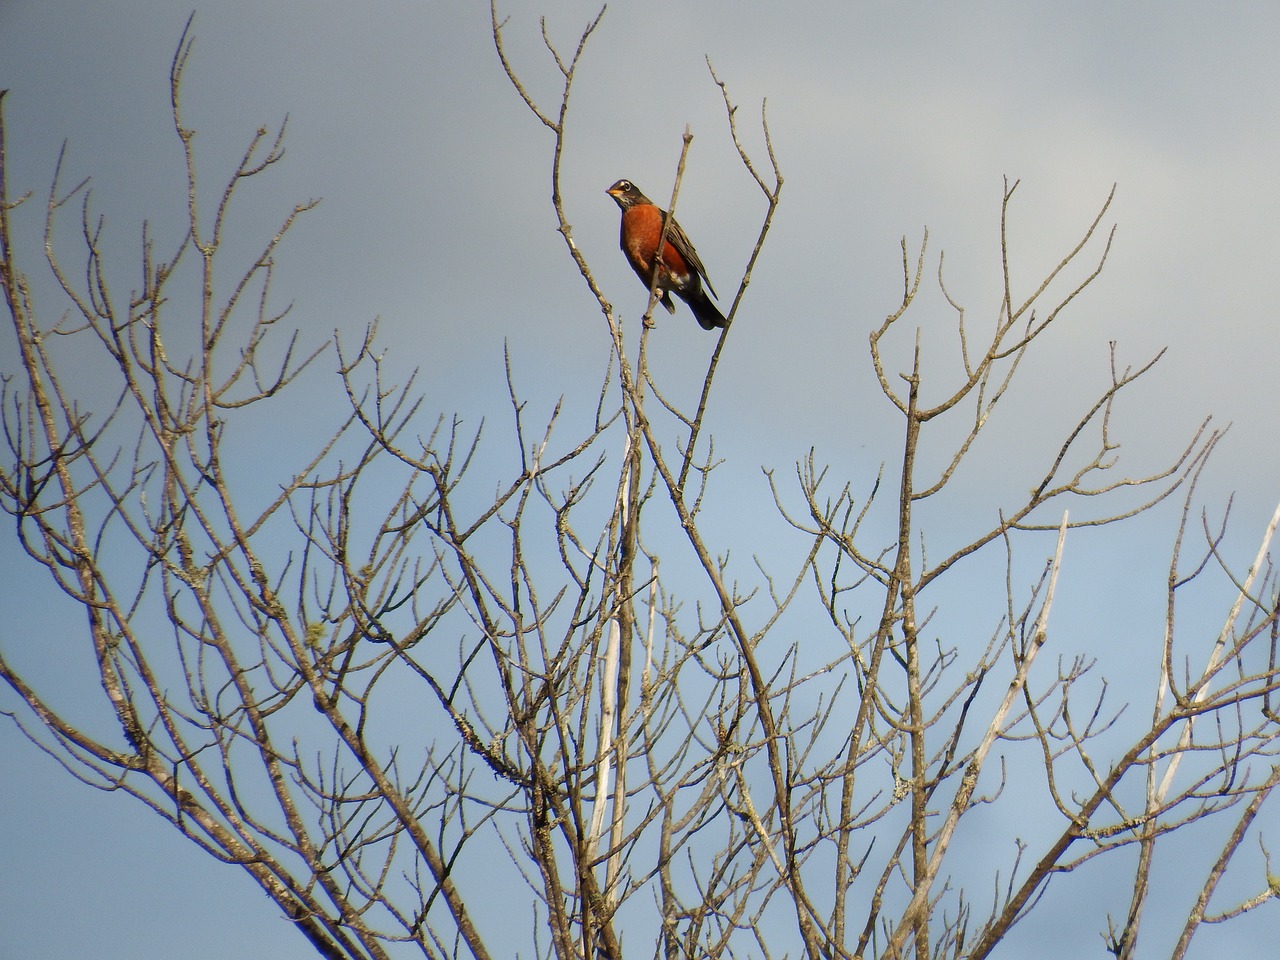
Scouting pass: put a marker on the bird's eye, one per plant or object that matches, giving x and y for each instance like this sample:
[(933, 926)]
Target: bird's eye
[(626, 185)]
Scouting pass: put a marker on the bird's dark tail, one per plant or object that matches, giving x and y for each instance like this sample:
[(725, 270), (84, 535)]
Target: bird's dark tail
[(704, 311)]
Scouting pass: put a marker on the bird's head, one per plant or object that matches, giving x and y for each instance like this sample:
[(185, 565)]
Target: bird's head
[(626, 194)]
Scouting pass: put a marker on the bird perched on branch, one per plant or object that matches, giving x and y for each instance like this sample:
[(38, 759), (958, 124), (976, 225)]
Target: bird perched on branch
[(679, 269)]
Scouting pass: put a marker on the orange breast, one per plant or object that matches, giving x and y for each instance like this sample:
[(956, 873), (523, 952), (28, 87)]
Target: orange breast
[(641, 230)]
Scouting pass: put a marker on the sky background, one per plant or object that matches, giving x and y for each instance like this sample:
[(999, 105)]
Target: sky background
[(436, 218)]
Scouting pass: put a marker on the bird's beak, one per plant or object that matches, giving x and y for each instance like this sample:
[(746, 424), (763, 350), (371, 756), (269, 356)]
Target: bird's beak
[(614, 192)]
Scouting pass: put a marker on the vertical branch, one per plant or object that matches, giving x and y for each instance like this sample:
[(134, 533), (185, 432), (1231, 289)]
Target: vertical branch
[(964, 795), (628, 636), (903, 586), (1202, 687), (773, 195)]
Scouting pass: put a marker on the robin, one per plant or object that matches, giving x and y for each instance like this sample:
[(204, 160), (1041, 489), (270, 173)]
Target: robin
[(680, 270)]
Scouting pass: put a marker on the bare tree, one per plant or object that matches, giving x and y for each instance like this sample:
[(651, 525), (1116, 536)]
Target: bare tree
[(414, 717)]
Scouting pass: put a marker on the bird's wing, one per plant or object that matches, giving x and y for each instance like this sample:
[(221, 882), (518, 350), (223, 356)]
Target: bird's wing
[(677, 238)]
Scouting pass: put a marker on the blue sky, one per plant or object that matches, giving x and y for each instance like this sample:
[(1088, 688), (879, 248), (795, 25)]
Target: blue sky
[(436, 218)]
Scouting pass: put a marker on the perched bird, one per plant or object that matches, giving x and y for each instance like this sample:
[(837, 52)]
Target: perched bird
[(679, 269)]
